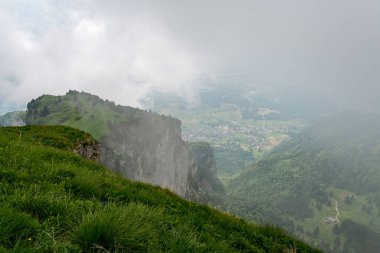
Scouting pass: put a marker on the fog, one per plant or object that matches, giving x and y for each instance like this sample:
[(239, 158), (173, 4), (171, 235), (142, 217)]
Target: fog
[(122, 50)]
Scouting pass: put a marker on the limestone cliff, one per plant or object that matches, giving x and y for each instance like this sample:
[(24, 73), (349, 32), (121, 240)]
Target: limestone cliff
[(149, 150)]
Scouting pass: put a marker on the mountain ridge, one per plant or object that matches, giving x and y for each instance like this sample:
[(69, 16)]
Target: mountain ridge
[(138, 144)]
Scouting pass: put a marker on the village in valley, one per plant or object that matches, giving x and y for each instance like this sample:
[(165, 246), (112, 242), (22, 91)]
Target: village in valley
[(256, 136)]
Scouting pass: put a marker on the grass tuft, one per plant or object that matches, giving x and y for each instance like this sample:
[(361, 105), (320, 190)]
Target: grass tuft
[(125, 229), (15, 226)]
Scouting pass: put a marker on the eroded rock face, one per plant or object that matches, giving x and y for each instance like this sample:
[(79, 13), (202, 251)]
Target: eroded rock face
[(203, 182), (149, 151)]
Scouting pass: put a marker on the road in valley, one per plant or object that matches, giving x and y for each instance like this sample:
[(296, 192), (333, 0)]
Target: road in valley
[(337, 210)]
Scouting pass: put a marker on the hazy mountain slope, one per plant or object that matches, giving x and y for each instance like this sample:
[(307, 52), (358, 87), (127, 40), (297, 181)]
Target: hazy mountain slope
[(205, 174), (13, 119), (291, 102), (297, 184), (52, 200), (140, 145)]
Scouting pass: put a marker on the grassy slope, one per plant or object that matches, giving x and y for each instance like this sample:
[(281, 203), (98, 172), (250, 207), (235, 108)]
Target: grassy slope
[(79, 110), (337, 158), (52, 200)]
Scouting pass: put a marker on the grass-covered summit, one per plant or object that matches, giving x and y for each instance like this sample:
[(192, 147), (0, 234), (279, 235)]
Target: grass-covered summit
[(84, 111), (54, 200)]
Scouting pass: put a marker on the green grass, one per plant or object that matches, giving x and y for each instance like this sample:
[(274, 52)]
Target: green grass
[(78, 110), (130, 227), (52, 200), (15, 225)]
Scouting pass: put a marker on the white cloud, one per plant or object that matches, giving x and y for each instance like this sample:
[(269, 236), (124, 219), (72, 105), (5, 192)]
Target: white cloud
[(117, 58), (122, 49)]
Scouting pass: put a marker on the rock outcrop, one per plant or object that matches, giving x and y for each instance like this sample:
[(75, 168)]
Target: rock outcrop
[(149, 150), (203, 182), (89, 149)]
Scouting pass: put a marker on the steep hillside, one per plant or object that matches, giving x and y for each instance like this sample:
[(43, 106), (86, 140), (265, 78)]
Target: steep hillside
[(138, 144), (323, 184), (53, 200)]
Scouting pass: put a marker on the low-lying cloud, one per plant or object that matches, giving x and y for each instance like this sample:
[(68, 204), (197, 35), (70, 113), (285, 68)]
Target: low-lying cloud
[(119, 58), (122, 50)]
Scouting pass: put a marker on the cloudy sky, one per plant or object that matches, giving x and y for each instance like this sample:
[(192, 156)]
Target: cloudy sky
[(121, 49)]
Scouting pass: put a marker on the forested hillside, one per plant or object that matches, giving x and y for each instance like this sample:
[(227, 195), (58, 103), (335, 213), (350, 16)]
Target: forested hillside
[(323, 184)]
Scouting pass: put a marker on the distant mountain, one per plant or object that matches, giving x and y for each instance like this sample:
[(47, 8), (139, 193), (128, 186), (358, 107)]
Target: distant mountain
[(54, 200), (140, 145), (13, 119), (288, 102), (333, 164)]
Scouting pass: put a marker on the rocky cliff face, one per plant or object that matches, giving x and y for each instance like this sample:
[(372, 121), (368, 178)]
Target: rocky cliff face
[(138, 144), (204, 185), (149, 150), (89, 149)]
